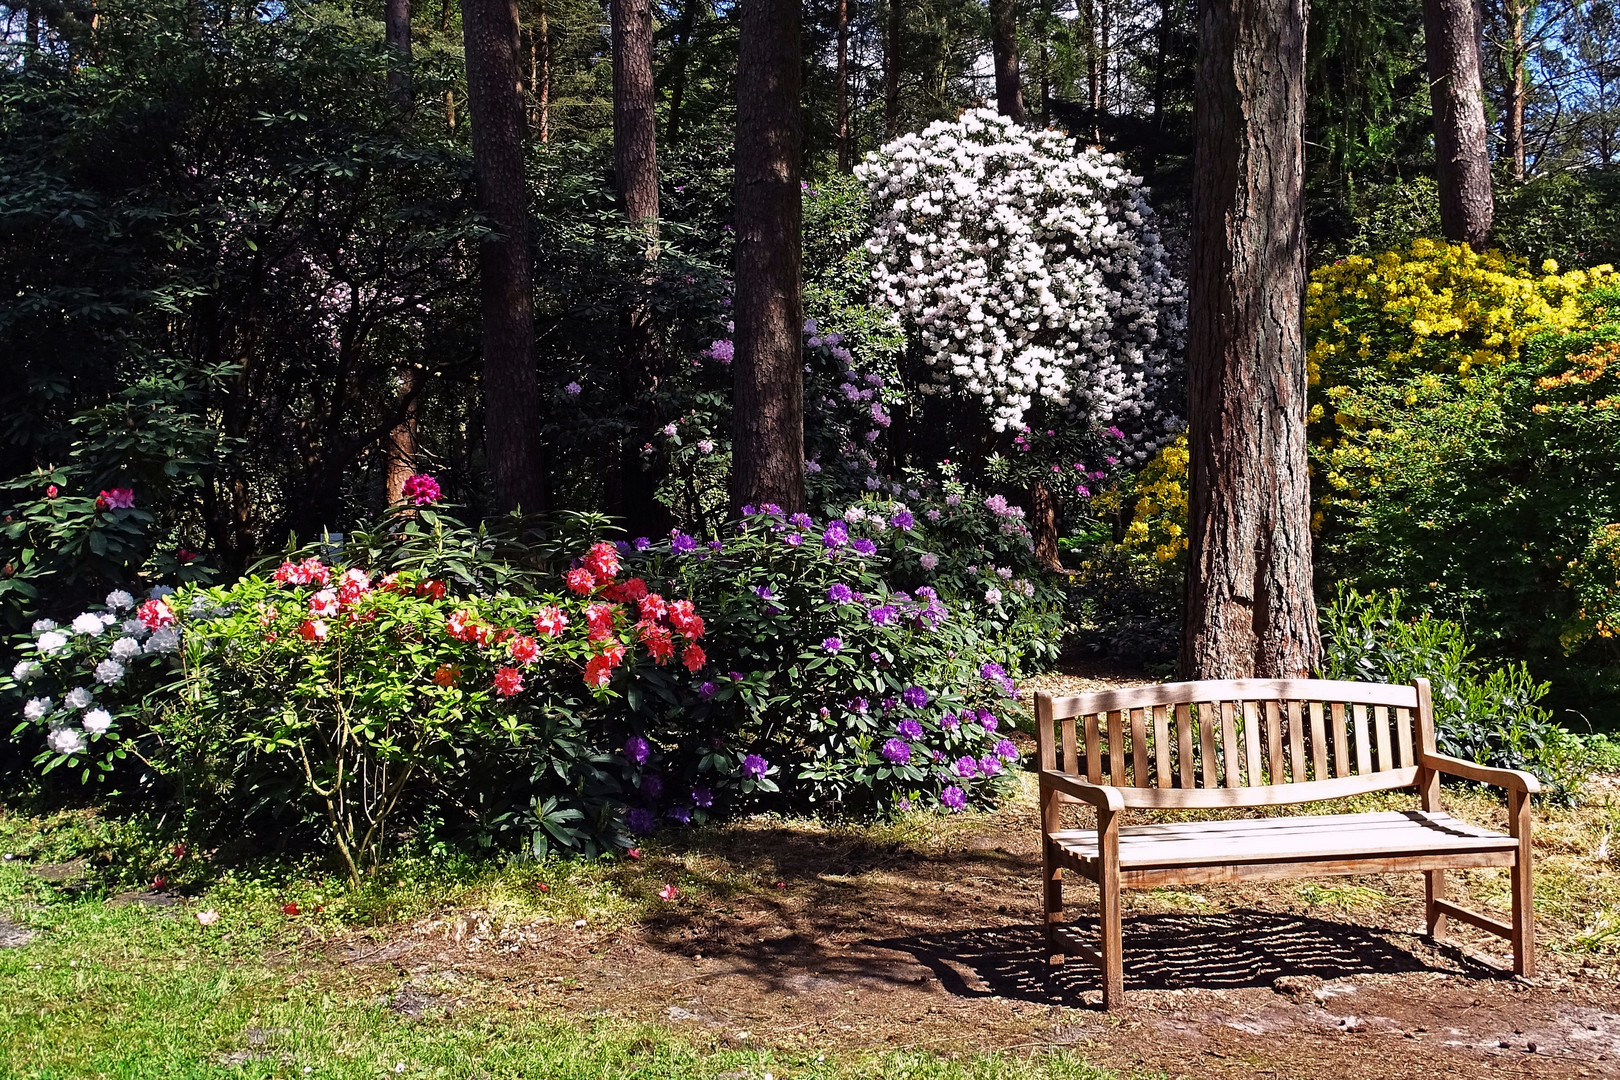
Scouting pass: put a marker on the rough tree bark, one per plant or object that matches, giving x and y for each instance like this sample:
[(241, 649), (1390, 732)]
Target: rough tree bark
[(768, 400), (891, 69), (1250, 609), (1513, 121), (1461, 151), (397, 34), (511, 393), (846, 160), (635, 156), (400, 443), (1004, 51)]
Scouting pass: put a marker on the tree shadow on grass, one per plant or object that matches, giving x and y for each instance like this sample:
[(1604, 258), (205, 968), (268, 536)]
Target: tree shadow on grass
[(1166, 952)]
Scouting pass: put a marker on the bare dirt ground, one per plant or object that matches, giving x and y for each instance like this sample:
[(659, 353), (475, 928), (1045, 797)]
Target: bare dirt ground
[(816, 938)]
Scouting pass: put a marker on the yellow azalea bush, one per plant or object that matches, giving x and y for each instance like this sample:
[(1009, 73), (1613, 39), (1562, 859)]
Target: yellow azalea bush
[(1156, 501)]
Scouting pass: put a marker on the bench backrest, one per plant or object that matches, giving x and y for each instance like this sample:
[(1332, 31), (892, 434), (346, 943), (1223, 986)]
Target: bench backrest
[(1239, 742)]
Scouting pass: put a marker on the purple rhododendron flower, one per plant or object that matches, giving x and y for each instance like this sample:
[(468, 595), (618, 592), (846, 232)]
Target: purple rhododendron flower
[(793, 539), (764, 592), (903, 520), (965, 766), (839, 593), (652, 786), (832, 644), (680, 543), (682, 814), (1007, 750), (881, 615), (755, 766), (706, 690), (642, 821), (859, 705), (988, 721), (863, 546), (702, 796), (802, 521), (896, 752), (836, 536), (749, 510), (642, 543), (637, 750), (990, 765), (909, 729), (953, 798), (715, 545), (772, 509), (949, 722), (889, 703), (915, 696), (991, 670)]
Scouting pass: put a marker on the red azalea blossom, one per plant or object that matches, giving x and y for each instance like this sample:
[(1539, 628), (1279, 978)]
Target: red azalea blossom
[(600, 618), (580, 580), (693, 657), (389, 583), (653, 607), (158, 883), (660, 645), (550, 620), (155, 614), (503, 634), (508, 681), (525, 650), (312, 630), (683, 618), (269, 639), (324, 603), (446, 675), (633, 853), (185, 554), (290, 907), (462, 625), (353, 585), (598, 672), (603, 561), (431, 587), (613, 654)]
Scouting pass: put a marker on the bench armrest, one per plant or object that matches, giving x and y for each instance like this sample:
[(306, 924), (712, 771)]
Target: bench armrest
[(1098, 795), (1512, 779)]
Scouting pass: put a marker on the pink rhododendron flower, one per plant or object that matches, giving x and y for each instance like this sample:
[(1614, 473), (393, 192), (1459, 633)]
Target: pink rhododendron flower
[(312, 630), (580, 580), (155, 614), (525, 650), (550, 620), (421, 489), (324, 603), (116, 499), (508, 681), (603, 561)]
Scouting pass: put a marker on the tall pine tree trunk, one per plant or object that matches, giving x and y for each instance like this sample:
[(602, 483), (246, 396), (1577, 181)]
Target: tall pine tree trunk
[(1250, 608), (891, 70), (1462, 155), (635, 156), (846, 157), (1004, 52), (397, 34), (400, 442), (767, 461), (511, 392), (1513, 121)]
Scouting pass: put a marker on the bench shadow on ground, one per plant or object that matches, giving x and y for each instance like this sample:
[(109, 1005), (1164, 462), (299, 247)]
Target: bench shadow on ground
[(1166, 952)]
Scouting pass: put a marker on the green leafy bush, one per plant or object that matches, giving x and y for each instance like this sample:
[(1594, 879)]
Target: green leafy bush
[(1491, 715)]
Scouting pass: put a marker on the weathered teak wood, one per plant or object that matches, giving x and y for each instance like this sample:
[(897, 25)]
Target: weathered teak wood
[(1260, 743)]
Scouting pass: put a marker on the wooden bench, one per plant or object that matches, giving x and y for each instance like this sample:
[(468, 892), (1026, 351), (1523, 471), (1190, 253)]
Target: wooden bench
[(1258, 743)]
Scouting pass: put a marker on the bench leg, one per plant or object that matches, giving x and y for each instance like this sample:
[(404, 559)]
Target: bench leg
[(1052, 903), (1524, 913), (1113, 963), (1434, 888)]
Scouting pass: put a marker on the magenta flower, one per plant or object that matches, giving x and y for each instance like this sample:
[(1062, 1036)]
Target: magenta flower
[(953, 798), (863, 546), (896, 752), (637, 750), (421, 489), (1007, 750), (832, 644), (755, 766), (915, 696), (965, 767), (839, 593)]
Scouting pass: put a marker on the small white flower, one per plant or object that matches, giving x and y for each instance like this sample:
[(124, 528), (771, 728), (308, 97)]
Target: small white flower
[(992, 596), (107, 618), (134, 628), (42, 626), (88, 624), (37, 708), (67, 741), (78, 698), (163, 641), (98, 721), (26, 671), (109, 672), (125, 649), (119, 599), (208, 918), (160, 591)]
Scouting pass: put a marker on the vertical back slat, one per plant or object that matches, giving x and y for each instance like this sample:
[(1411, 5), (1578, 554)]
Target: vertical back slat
[(1363, 743), (1093, 750), (1045, 734), (1071, 748), (1208, 773), (1296, 742), (1319, 761), (1403, 737), (1251, 743), (1184, 744), (1116, 749), (1381, 731), (1274, 750), (1341, 746), (1230, 754), (1139, 769), (1161, 745)]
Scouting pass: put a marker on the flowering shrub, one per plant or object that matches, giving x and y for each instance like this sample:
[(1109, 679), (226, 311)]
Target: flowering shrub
[(1028, 271)]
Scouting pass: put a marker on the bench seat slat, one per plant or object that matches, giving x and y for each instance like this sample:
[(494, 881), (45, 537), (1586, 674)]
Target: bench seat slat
[(1279, 839)]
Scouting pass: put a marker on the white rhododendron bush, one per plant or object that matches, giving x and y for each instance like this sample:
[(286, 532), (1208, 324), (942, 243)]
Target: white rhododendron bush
[(1028, 270)]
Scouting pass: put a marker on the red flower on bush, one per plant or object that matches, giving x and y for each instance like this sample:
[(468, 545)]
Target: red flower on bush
[(600, 618), (355, 584), (421, 489), (51, 490), (155, 614), (446, 675), (580, 580), (630, 591), (683, 618), (309, 572), (463, 625), (508, 681), (324, 603), (598, 671), (525, 650), (660, 645), (290, 907), (653, 607), (116, 499), (312, 630), (693, 658), (603, 561), (431, 587), (550, 620)]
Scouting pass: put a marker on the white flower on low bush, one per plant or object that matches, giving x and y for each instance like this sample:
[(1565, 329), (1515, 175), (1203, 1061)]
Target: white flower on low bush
[(120, 600), (67, 741), (26, 671), (163, 641), (51, 643), (37, 708), (109, 672), (125, 649), (88, 624), (78, 698), (1028, 270), (98, 721)]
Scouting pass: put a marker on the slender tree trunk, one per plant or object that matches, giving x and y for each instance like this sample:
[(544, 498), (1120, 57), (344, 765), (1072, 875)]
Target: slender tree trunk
[(31, 32), (543, 90), (1462, 155), (1093, 84), (1250, 609), (846, 157), (768, 410), (1104, 28), (511, 393), (1004, 52), (1043, 525), (1513, 122), (1046, 76), (401, 441), (444, 17), (680, 57), (397, 33), (891, 70)]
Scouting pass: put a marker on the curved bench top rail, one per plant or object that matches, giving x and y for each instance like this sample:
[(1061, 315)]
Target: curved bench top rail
[(1300, 791), (1177, 693)]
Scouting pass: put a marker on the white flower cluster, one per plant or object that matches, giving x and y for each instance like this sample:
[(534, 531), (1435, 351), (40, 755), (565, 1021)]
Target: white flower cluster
[(1028, 269)]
